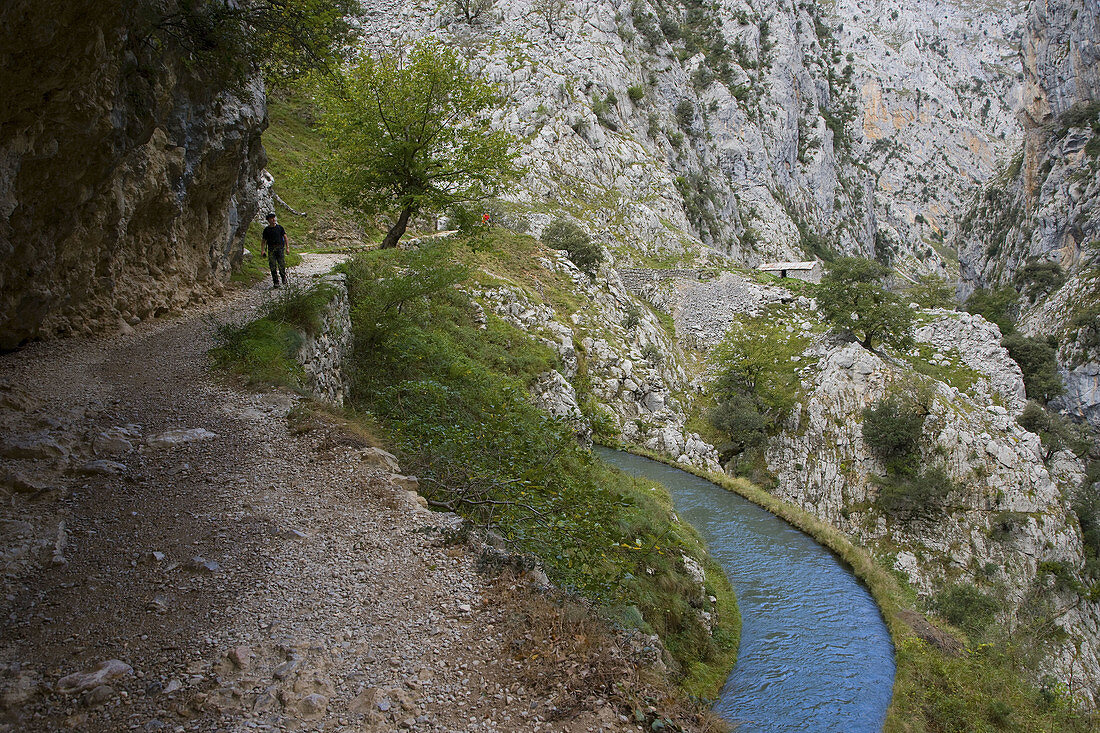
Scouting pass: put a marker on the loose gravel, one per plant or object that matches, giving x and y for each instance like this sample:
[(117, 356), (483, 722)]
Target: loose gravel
[(178, 555)]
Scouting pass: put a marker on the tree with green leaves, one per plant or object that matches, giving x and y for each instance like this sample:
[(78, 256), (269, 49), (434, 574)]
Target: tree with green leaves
[(283, 39), (932, 291), (852, 298), (412, 133)]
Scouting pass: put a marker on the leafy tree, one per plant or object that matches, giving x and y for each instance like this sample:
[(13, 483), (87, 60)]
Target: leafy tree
[(472, 9), (932, 291), (283, 38), (552, 12), (995, 306), (755, 360), (562, 234), (756, 382), (1039, 363), (412, 133), (852, 298)]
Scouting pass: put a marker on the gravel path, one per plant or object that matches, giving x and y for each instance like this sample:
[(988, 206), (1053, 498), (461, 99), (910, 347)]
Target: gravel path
[(181, 554)]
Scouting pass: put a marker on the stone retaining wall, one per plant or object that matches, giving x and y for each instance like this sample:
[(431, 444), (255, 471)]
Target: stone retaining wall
[(637, 278), (323, 356)]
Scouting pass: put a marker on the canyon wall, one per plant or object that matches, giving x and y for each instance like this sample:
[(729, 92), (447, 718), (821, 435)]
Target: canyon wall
[(125, 169)]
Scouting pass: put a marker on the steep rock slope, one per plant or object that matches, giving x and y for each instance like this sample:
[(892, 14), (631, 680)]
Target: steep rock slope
[(125, 172), (758, 128), (1045, 206), (1005, 528), (940, 86)]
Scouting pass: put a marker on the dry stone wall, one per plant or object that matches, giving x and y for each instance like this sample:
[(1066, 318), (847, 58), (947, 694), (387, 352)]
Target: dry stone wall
[(325, 354)]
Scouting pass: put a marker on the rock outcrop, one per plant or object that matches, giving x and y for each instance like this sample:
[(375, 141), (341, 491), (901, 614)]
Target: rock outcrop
[(1003, 526), (1043, 211), (125, 170), (756, 127), (634, 375)]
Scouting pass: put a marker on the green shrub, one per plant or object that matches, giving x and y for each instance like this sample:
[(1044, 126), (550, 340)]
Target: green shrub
[(1039, 363), (633, 318), (967, 608), (300, 307), (996, 306), (918, 494), (892, 429), (636, 92), (1086, 505), (585, 254), (685, 114), (652, 354), (1039, 278), (1056, 432), (263, 350), (646, 24), (603, 109), (739, 419), (1085, 328)]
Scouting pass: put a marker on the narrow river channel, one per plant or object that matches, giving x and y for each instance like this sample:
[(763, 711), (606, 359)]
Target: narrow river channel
[(815, 653)]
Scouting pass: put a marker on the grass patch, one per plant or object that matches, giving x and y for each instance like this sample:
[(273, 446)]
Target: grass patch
[(265, 350), (956, 373)]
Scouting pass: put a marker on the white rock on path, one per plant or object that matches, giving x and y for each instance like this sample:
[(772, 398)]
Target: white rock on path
[(112, 669)]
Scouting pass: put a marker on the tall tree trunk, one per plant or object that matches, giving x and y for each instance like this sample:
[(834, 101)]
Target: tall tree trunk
[(397, 229)]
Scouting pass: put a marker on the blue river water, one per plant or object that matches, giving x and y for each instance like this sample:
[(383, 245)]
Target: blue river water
[(815, 654)]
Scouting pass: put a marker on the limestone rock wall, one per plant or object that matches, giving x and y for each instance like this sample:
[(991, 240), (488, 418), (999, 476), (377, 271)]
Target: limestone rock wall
[(636, 380), (859, 124), (125, 172), (1045, 206), (1007, 515)]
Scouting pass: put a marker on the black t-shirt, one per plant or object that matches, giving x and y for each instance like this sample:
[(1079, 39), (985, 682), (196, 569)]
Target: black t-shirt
[(275, 236)]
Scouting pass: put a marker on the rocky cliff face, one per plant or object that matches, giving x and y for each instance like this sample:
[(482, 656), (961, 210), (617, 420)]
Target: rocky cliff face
[(1044, 208), (1004, 522), (762, 129), (940, 83), (124, 171)]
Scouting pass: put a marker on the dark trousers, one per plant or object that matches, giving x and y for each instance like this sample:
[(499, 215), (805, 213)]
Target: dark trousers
[(276, 260)]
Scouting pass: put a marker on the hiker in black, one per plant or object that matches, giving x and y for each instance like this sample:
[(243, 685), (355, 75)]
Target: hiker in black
[(276, 245)]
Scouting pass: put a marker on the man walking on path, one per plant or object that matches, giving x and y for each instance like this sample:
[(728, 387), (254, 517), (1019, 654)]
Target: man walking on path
[(277, 245)]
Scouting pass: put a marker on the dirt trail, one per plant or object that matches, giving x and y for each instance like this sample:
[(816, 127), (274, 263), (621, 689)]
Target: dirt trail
[(267, 574)]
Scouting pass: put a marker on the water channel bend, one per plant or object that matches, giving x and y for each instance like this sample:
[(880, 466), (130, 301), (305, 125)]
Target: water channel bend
[(815, 654)]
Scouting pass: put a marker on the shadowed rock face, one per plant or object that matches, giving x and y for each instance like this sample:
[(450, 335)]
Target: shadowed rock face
[(126, 177), (1046, 207)]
